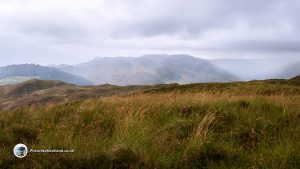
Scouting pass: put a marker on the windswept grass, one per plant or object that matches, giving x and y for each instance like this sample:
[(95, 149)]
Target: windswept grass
[(162, 129)]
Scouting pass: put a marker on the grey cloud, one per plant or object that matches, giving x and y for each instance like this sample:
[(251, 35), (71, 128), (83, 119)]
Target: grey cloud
[(115, 27), (59, 30), (194, 17), (53, 30), (265, 46)]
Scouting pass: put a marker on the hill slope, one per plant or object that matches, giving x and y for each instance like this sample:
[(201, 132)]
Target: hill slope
[(38, 92), (209, 125), (149, 69), (26, 71), (295, 80), (28, 87)]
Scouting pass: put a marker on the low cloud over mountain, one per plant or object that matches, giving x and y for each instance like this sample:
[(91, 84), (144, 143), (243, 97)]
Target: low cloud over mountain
[(290, 71), (149, 69)]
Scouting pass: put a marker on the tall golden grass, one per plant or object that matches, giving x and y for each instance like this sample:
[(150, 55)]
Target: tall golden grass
[(203, 129)]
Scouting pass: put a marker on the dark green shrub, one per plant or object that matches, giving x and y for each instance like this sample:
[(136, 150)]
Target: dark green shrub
[(24, 134), (122, 156), (243, 104), (206, 156)]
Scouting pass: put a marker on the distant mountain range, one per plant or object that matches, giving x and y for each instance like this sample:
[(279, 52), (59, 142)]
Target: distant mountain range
[(17, 73), (149, 69), (152, 69)]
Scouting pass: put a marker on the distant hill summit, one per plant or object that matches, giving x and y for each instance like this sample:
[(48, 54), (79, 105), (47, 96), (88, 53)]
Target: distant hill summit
[(149, 69), (18, 73), (295, 80), (16, 79), (29, 87)]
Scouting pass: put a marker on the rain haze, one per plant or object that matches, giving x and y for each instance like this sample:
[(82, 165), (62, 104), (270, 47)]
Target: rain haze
[(75, 31)]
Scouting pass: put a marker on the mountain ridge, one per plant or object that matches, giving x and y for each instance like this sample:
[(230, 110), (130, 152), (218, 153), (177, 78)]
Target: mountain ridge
[(149, 69), (41, 72)]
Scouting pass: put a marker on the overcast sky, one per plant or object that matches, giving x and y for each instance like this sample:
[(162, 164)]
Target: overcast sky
[(74, 31)]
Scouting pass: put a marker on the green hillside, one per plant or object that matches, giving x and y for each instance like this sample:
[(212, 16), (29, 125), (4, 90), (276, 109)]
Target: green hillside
[(214, 125), (296, 80)]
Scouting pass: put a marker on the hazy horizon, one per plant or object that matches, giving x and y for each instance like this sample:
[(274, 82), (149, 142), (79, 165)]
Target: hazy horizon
[(280, 61), (243, 69)]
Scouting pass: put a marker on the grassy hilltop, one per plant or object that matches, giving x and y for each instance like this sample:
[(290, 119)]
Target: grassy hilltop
[(215, 125)]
